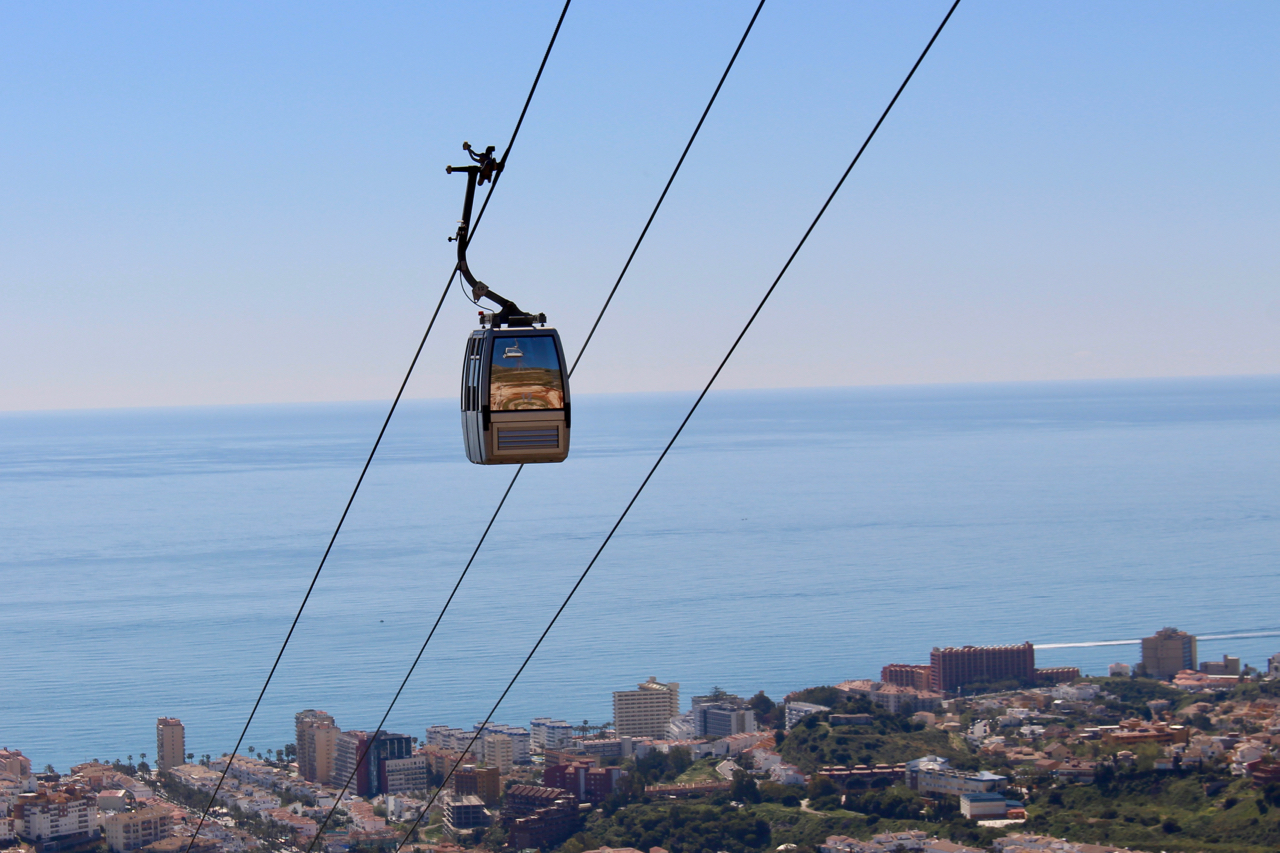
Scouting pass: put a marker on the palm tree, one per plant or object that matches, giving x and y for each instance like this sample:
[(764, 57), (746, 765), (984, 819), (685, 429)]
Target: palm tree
[(130, 759)]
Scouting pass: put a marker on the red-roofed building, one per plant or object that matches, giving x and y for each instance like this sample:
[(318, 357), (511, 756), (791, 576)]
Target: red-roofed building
[(589, 784)]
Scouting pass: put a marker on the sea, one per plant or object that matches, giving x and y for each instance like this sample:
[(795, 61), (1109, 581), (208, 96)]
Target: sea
[(152, 560)]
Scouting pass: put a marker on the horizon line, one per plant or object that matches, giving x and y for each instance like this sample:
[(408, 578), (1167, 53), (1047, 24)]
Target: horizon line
[(879, 386)]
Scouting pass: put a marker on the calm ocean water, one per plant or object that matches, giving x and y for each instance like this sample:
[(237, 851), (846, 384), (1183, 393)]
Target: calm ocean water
[(152, 559)]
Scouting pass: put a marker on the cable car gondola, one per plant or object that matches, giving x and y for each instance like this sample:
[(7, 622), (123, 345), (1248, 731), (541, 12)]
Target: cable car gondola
[(515, 388)]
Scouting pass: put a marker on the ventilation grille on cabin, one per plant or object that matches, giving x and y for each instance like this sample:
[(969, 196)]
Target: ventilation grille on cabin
[(528, 438)]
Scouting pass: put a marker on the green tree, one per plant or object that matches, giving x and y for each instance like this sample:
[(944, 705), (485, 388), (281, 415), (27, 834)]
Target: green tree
[(825, 695), (744, 787), (680, 759), (820, 786), (763, 707)]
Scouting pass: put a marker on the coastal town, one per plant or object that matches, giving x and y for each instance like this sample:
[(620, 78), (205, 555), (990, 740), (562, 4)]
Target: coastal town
[(976, 750)]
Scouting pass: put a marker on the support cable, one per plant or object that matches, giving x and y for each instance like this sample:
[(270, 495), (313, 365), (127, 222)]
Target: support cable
[(759, 307), (516, 475), (377, 442)]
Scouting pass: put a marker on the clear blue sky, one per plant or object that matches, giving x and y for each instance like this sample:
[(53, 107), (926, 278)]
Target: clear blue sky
[(246, 202)]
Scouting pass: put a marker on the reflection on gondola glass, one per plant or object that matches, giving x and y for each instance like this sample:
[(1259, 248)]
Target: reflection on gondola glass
[(525, 374)]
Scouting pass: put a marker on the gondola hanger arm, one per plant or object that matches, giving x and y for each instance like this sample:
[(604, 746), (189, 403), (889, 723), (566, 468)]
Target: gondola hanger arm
[(485, 167)]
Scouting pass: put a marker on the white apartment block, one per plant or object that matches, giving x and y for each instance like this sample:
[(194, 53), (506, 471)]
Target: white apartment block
[(546, 733), (521, 739), (48, 815), (171, 743), (448, 738), (407, 774), (797, 711), (645, 711), (682, 727)]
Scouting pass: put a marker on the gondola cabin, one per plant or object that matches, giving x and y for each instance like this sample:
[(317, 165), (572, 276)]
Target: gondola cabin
[(515, 396)]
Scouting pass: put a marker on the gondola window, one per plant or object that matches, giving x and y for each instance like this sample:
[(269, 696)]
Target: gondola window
[(525, 374)]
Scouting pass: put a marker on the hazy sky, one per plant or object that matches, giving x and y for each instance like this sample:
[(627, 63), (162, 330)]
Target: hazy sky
[(246, 202)]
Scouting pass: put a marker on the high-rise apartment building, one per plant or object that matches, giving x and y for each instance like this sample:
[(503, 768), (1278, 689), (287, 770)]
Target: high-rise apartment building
[(1166, 653), (316, 739), (645, 712), (353, 753), (171, 743), (498, 752), (387, 747), (348, 763), (951, 668)]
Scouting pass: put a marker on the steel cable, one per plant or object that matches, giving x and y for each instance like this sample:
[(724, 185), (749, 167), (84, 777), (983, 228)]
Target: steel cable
[(626, 266), (378, 441), (751, 320)]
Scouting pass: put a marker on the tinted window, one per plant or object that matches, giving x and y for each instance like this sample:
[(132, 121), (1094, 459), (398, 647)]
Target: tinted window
[(525, 374)]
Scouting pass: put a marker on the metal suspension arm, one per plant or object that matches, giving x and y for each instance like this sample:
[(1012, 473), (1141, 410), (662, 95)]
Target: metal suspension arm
[(486, 168)]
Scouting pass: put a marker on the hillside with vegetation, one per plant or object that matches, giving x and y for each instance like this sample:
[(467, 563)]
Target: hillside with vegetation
[(1150, 810), (888, 739), (734, 826)]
